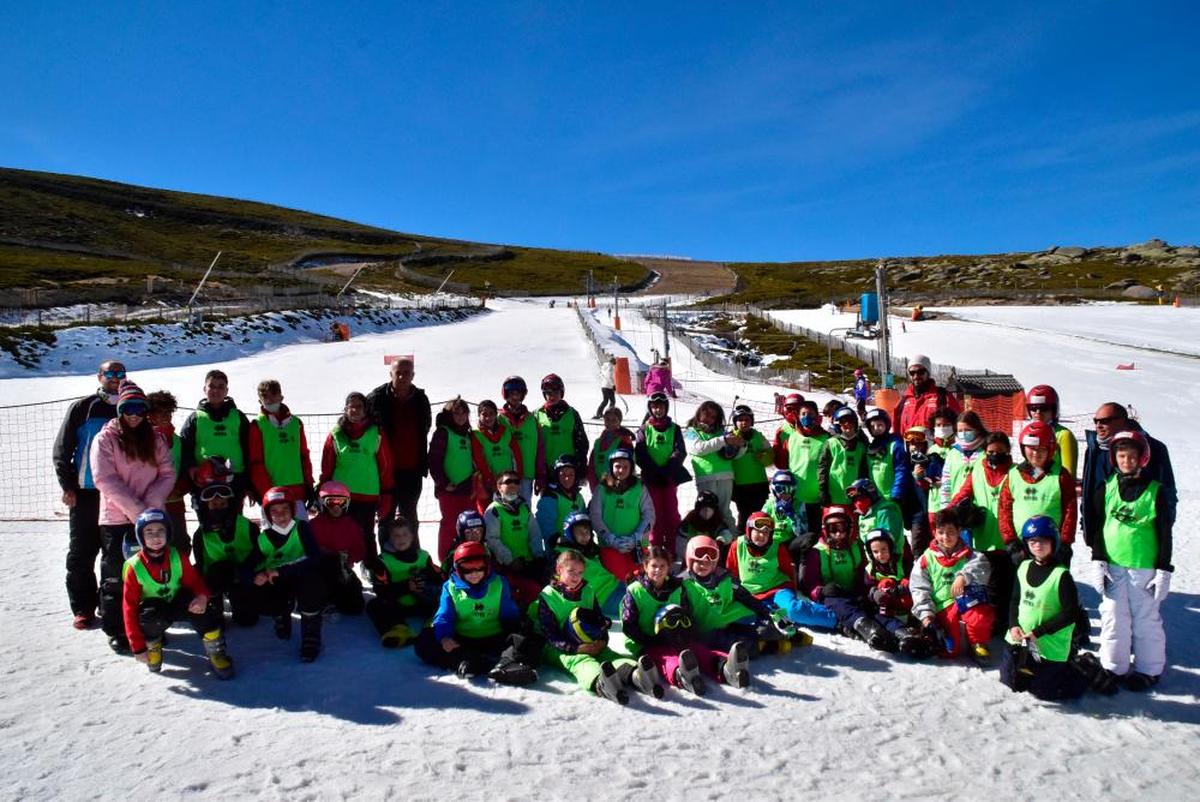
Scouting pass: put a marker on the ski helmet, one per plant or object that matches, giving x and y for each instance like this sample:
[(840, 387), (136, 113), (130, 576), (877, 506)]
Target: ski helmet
[(150, 516), (916, 434), (760, 521), (331, 491), (783, 482), (702, 548), (571, 521), (845, 413), (878, 414), (585, 625), (565, 461), (671, 616), (552, 383), (1038, 434), (863, 487), (1130, 437), (1042, 395), (276, 495), (213, 471), (468, 519), (620, 453), (742, 411), (513, 384), (470, 554), (1040, 526), (657, 398), (880, 534), (707, 498), (793, 400), (837, 511)]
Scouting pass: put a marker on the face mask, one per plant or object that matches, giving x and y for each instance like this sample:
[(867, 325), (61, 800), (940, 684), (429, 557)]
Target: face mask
[(967, 436), (807, 421), (272, 408), (998, 460), (943, 432), (510, 497), (862, 505)]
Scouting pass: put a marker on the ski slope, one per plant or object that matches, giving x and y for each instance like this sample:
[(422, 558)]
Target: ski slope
[(832, 721)]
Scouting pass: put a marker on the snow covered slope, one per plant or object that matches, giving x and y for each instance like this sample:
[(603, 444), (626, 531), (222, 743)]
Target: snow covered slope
[(833, 721)]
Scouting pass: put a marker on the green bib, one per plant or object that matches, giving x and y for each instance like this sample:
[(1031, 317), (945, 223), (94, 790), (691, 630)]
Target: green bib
[(648, 606), (1129, 535), (281, 451), (885, 515), (527, 440), (759, 574), (558, 436), (477, 618), (804, 458), (715, 608), (355, 465), (236, 550), (622, 511), (748, 469), (399, 571), (955, 471), (598, 578), (659, 445), (843, 468), (152, 588), (564, 506), (514, 529), (1041, 498), (458, 462), (497, 455), (220, 438), (712, 462), (839, 566), (935, 491), (1039, 605), (561, 606), (987, 537), (785, 526), (882, 468), (942, 577), (292, 550)]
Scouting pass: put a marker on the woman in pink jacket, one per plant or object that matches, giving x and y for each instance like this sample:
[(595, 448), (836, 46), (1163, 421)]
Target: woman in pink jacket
[(133, 470)]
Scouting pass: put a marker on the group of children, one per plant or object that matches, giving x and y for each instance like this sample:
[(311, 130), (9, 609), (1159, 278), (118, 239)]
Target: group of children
[(927, 542)]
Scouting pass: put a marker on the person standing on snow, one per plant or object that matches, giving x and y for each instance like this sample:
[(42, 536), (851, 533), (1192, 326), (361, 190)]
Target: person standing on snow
[(922, 397), (83, 422), (403, 413), (217, 428), (1041, 403), (608, 386), (862, 391), (561, 427)]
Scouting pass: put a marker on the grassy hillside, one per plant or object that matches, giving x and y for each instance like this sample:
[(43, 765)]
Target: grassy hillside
[(88, 239)]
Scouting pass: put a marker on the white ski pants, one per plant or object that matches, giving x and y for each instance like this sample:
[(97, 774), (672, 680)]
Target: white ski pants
[(1130, 623)]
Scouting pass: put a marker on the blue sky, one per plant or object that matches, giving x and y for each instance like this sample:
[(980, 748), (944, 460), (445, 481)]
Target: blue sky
[(731, 131)]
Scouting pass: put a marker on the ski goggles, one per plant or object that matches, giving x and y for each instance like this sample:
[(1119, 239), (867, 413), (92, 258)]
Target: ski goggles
[(707, 554), (673, 622), (216, 491), (763, 525), (1037, 407), (335, 502), (134, 408), (837, 526), (471, 568)]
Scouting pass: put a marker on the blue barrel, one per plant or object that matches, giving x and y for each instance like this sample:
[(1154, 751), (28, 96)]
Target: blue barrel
[(870, 309)]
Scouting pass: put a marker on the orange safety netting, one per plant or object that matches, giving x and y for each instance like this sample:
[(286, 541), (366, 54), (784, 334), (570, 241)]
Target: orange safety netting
[(998, 411)]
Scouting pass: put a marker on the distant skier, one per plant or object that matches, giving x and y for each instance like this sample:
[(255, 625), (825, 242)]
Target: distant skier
[(862, 391)]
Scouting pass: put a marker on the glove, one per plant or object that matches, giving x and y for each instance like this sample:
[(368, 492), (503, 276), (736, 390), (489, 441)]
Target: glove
[(831, 590), (1016, 551), (1161, 585)]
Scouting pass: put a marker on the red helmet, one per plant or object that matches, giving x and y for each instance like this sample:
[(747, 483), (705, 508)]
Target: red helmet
[(276, 495), (793, 400), (760, 521), (1042, 395), (213, 471), (1038, 434), (470, 552), (552, 381), (1137, 439), (837, 511)]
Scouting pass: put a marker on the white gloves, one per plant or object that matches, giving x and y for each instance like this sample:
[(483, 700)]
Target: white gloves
[(1161, 585)]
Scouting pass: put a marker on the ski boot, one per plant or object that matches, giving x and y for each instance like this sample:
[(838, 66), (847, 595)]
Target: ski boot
[(1100, 679), (736, 667), (1138, 682), (512, 672), (214, 647), (609, 686), (980, 654), (283, 626), (397, 636), (645, 678), (154, 656), (119, 644), (875, 635), (471, 667), (914, 644), (687, 675), (310, 636)]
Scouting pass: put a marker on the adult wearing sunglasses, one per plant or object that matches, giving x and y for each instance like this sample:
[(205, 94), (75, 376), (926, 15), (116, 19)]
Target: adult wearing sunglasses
[(133, 470), (85, 418), (922, 397), (1110, 419)]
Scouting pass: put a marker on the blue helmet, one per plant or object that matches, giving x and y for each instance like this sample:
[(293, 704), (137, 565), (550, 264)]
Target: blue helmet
[(584, 625), (783, 482), (863, 487), (878, 414), (150, 516), (671, 616), (1040, 526), (845, 413), (569, 523), (468, 519)]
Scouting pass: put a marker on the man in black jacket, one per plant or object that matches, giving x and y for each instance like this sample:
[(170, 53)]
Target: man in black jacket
[(85, 418), (401, 409)]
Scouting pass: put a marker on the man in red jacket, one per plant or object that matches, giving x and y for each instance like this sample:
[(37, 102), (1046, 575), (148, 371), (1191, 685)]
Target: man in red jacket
[(922, 396)]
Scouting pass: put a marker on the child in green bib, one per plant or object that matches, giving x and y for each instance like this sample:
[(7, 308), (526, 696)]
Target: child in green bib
[(406, 582), (514, 539)]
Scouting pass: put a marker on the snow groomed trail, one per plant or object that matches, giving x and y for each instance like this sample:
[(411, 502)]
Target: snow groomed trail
[(834, 720)]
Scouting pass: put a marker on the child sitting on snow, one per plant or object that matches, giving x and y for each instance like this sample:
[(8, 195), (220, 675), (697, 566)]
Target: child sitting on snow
[(948, 586), (469, 527), (340, 541), (579, 536), (725, 612), (887, 573), (406, 584)]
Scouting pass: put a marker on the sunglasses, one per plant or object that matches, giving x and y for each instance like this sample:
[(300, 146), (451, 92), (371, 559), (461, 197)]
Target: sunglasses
[(216, 491), (509, 482), (473, 568), (113, 374), (707, 554), (917, 372), (1037, 407), (1109, 421)]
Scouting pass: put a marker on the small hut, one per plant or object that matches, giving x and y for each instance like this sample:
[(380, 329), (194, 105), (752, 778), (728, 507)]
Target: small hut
[(997, 398)]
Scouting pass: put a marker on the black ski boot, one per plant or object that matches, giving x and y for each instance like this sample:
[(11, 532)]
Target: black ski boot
[(646, 678), (119, 644), (512, 672), (688, 676), (609, 686), (310, 636), (736, 668), (283, 626), (914, 643), (875, 635)]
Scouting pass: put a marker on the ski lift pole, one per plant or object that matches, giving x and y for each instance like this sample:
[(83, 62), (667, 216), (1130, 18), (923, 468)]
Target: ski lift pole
[(346, 286), (443, 284), (204, 279), (666, 331), (885, 356), (616, 307)]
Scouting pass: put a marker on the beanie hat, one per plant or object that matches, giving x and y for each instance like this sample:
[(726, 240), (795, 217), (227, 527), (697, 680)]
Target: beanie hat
[(129, 393), (920, 360)]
